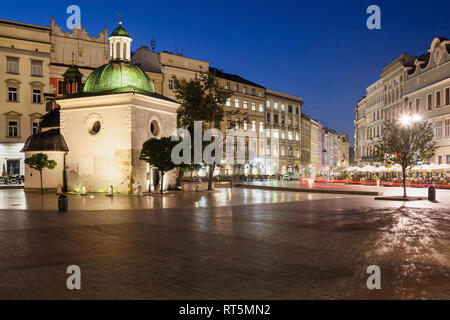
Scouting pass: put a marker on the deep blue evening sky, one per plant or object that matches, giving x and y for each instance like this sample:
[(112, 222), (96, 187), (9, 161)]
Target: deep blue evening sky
[(318, 50)]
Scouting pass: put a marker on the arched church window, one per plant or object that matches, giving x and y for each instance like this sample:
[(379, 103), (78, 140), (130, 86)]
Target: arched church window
[(117, 50), (154, 128)]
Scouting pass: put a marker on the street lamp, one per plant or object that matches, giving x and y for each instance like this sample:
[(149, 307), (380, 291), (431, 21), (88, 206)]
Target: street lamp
[(407, 120)]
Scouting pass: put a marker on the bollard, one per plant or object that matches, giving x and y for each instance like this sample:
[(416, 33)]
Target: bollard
[(432, 194), (110, 191), (62, 203), (139, 190)]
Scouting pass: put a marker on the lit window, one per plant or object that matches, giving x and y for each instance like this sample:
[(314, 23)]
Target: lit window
[(261, 126), (276, 133), (282, 107), (228, 103), (236, 87), (254, 125), (237, 124), (253, 106), (275, 106), (12, 94), (261, 108), (37, 97), (13, 128), (245, 105), (227, 86), (253, 91), (283, 135), (261, 93), (244, 90), (236, 103), (245, 124)]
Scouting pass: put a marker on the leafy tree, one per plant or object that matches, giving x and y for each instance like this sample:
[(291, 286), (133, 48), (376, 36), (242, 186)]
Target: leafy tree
[(201, 99), (407, 145), (157, 152), (38, 162)]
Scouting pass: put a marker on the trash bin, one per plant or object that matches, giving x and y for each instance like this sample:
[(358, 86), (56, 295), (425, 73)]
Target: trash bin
[(431, 194), (62, 203)]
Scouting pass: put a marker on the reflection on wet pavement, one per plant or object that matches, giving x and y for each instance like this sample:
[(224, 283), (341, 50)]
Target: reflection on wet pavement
[(19, 200), (229, 244)]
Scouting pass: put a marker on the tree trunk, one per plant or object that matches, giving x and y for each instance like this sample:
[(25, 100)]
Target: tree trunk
[(162, 182), (404, 182), (42, 187), (210, 176), (180, 176)]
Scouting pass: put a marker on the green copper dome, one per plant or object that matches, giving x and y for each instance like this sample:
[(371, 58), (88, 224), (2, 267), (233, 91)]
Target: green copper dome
[(120, 32), (118, 77)]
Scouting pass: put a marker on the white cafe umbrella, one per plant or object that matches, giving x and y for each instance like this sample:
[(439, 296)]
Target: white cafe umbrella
[(380, 169), (367, 168), (351, 169), (435, 167), (420, 168), (445, 167)]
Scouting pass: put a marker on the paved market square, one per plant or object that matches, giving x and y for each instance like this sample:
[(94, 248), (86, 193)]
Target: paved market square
[(228, 244)]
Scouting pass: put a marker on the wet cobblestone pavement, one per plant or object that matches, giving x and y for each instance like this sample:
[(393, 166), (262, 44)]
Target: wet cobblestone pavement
[(215, 246)]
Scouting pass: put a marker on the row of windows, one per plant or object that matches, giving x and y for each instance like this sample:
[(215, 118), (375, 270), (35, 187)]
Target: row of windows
[(13, 128), (13, 95), (437, 103), (245, 105), (447, 158), (275, 150), (442, 129), (244, 90), (275, 133), (290, 108), (374, 132), (280, 120), (12, 66), (393, 96), (237, 124)]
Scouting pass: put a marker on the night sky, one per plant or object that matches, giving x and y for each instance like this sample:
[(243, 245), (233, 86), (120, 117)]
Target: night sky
[(318, 50)]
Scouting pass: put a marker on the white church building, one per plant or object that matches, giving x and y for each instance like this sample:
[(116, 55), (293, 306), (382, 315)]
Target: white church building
[(102, 128)]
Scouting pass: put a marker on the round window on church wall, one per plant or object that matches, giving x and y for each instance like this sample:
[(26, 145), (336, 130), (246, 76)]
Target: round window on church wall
[(95, 128), (154, 128)]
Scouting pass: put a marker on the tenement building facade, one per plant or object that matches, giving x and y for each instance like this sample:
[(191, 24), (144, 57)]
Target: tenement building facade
[(427, 93), (24, 60), (164, 66), (409, 85), (284, 122), (244, 110)]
